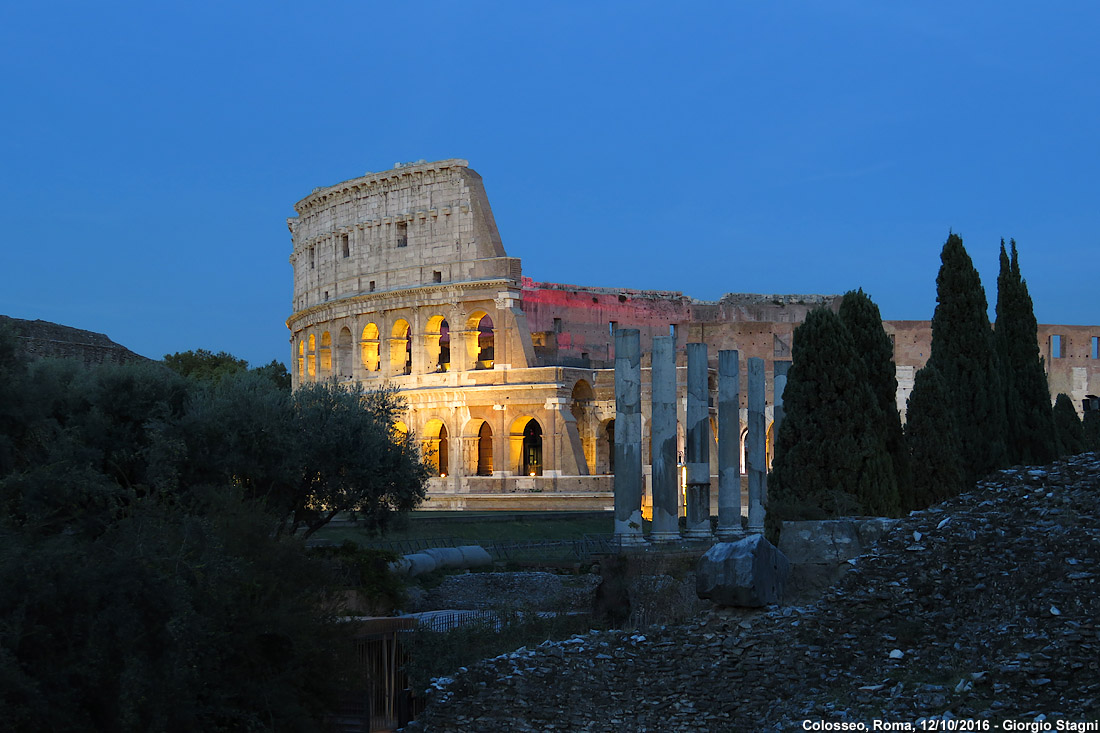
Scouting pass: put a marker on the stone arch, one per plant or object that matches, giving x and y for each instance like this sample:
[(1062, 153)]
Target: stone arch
[(311, 357), (301, 359), (400, 430), (437, 344), (581, 405), (343, 354), (480, 436), (326, 354), (400, 348), (526, 446), (368, 348), (435, 446), (605, 447), (480, 340)]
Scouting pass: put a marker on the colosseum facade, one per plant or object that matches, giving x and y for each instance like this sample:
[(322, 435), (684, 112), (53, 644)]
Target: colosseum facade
[(401, 279)]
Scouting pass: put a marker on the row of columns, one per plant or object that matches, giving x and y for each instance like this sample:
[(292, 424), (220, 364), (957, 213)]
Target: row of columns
[(628, 471)]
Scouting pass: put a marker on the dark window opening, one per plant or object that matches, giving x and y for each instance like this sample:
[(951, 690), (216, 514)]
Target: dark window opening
[(532, 449), (402, 234), (437, 276), (408, 351), (612, 326), (485, 450), (485, 342), (372, 286), (345, 245), (312, 258), (444, 452), (610, 446), (444, 346), (557, 325)]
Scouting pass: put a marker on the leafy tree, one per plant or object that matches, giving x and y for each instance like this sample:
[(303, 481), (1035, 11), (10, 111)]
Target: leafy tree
[(276, 372), (354, 458), (861, 317), (204, 365), (932, 435), (180, 617), (964, 354), (830, 455), (1071, 435), (1031, 437)]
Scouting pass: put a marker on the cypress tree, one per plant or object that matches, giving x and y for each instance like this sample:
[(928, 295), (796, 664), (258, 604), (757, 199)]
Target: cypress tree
[(830, 456), (1091, 427), (1030, 437), (932, 435), (1071, 435), (863, 320), (964, 353)]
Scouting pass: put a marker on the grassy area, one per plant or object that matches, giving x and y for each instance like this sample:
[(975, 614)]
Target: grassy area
[(535, 526)]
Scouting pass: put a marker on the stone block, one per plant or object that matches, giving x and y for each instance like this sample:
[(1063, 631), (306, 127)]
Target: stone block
[(750, 573), (831, 541)]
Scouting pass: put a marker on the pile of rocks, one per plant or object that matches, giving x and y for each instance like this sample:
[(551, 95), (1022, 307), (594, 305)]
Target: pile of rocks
[(983, 607)]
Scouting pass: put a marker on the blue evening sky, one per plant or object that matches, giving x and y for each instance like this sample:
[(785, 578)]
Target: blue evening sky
[(150, 152)]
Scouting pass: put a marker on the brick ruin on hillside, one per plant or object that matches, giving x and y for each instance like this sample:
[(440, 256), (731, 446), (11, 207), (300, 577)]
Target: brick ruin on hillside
[(43, 339)]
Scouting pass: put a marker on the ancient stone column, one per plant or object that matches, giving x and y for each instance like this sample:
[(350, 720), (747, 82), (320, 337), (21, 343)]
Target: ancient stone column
[(628, 437), (663, 433), (698, 444), (779, 383), (754, 449), (729, 447)]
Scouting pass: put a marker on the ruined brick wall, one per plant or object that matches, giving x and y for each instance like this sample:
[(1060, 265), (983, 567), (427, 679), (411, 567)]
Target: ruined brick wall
[(43, 339)]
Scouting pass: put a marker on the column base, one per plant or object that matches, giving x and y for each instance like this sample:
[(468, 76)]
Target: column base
[(698, 534), (730, 535), (633, 539), (664, 536)]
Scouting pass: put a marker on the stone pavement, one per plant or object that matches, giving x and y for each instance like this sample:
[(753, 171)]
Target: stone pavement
[(986, 606)]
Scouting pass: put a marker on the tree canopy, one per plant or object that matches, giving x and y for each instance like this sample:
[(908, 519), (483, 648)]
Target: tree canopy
[(151, 543), (964, 354), (1030, 437), (830, 455)]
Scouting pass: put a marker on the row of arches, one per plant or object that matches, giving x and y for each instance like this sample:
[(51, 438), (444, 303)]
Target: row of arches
[(474, 454), (394, 355)]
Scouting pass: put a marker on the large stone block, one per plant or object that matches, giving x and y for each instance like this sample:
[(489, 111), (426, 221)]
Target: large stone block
[(830, 541), (750, 572)]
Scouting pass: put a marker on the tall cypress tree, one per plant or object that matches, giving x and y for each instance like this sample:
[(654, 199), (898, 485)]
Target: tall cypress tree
[(932, 435), (830, 456), (964, 353), (1030, 436), (863, 320), (1071, 435)]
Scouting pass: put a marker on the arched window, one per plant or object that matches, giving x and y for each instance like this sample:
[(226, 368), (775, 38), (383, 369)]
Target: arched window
[(311, 357), (582, 410), (369, 348), (326, 354), (605, 447), (301, 360), (343, 354), (444, 346), (485, 450), (400, 348), (436, 448), (532, 449), (437, 344), (485, 343)]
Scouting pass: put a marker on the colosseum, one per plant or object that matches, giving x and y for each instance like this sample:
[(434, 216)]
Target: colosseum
[(401, 278)]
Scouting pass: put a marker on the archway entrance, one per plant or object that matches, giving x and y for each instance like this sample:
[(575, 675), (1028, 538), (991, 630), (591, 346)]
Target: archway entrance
[(485, 450), (532, 449)]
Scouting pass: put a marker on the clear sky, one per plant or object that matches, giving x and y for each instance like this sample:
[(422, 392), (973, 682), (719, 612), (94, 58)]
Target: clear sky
[(150, 152)]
